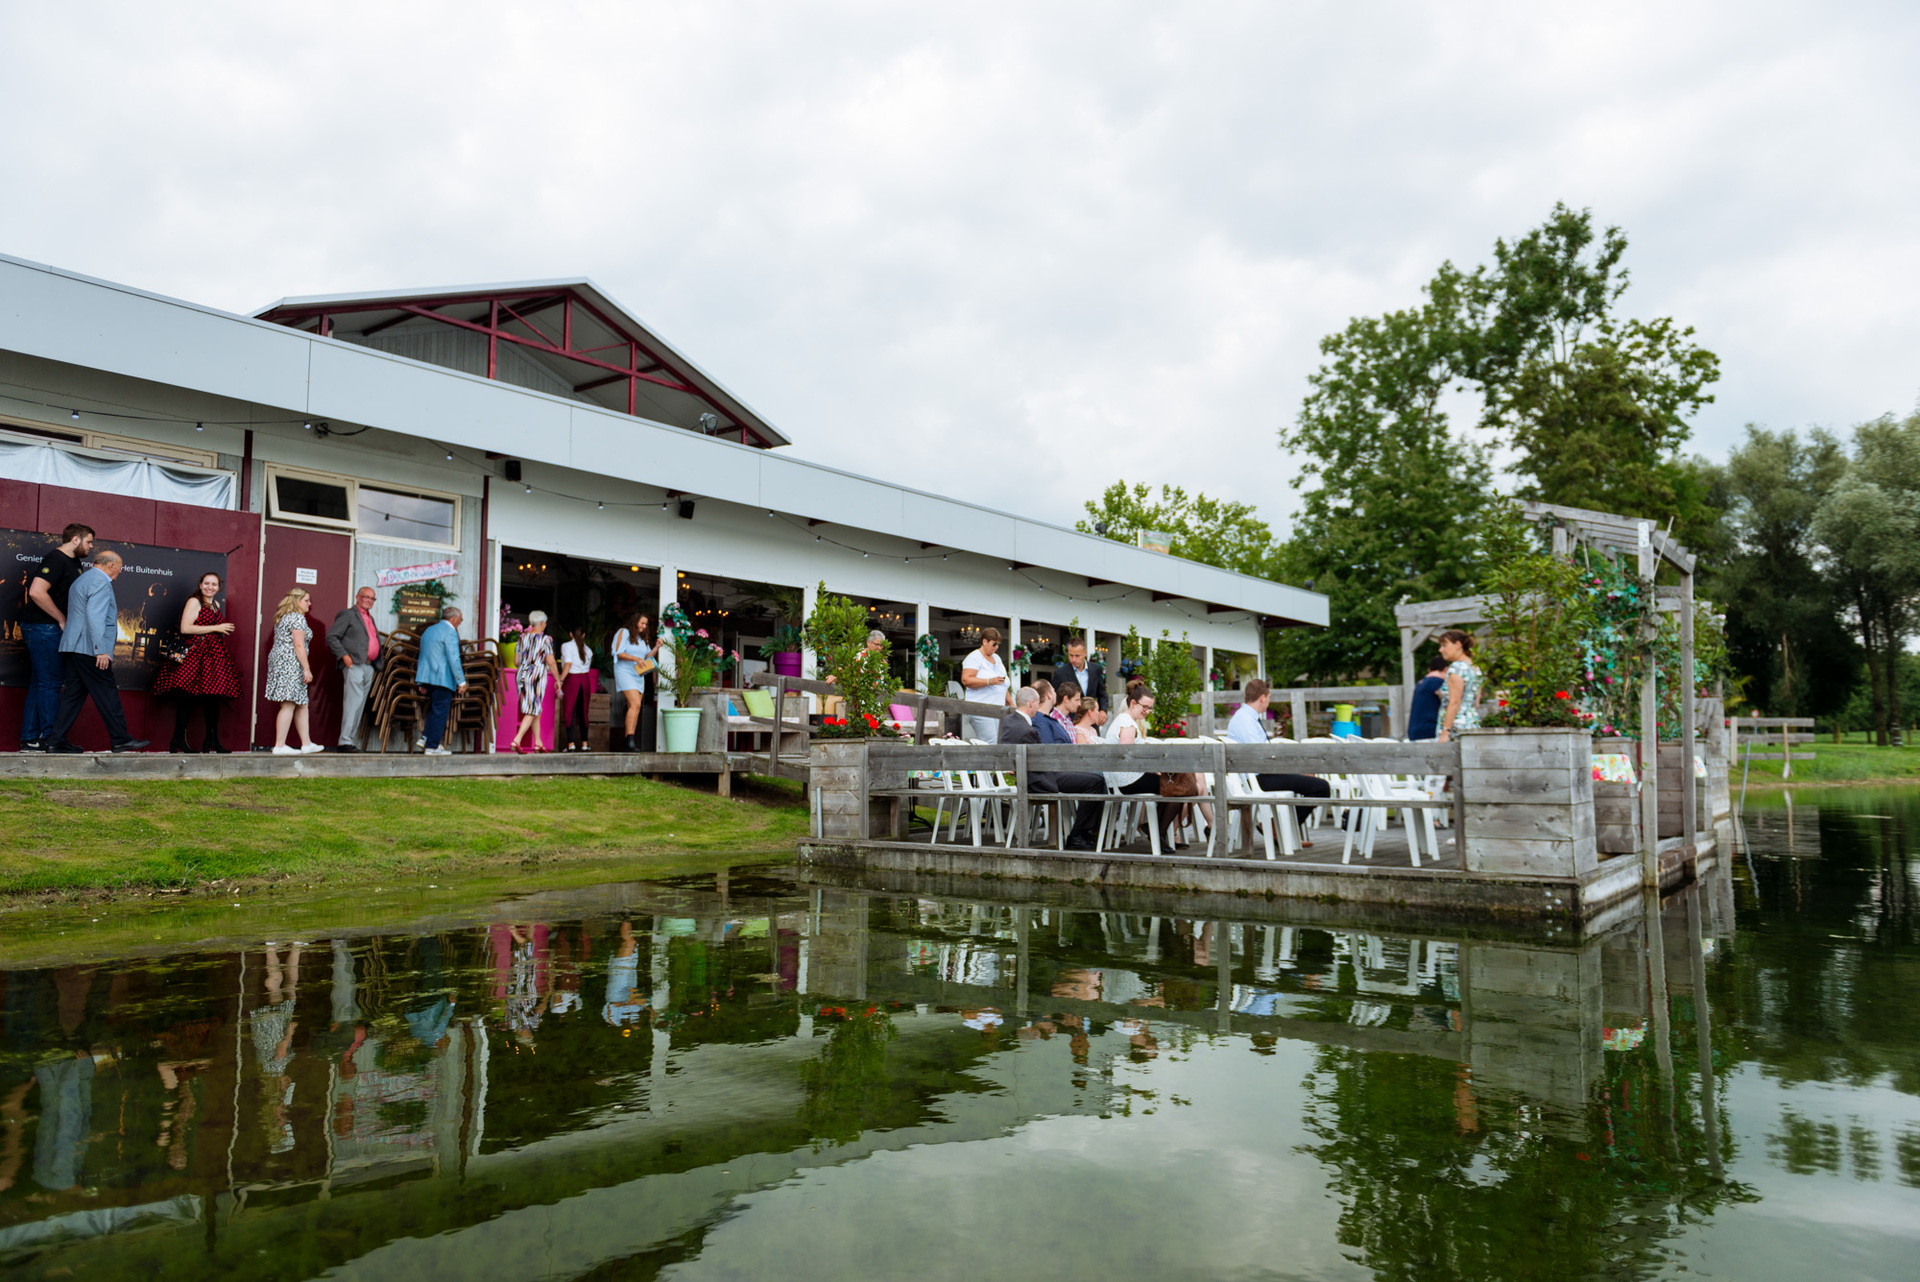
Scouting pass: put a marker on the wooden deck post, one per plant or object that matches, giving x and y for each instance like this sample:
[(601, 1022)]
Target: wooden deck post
[(1299, 715), (1409, 642), (1216, 836), (779, 729), (1689, 714), (1649, 729), (1020, 817)]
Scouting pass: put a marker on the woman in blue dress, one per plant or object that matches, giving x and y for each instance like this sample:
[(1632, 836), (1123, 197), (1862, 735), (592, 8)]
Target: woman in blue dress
[(632, 660), (1463, 684)]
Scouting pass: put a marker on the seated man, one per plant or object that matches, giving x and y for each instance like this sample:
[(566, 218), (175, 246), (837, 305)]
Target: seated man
[(1028, 723), (1249, 725)]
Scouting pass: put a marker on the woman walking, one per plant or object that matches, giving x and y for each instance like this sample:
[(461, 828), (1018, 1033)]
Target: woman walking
[(290, 671), (630, 651), (205, 675), (576, 686), (535, 666), (1463, 684)]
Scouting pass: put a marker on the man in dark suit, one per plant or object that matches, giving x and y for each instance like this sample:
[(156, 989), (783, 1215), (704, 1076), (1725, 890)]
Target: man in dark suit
[(1028, 723), (1083, 672)]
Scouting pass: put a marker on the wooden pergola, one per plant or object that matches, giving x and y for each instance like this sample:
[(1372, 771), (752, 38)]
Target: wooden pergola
[(1651, 547)]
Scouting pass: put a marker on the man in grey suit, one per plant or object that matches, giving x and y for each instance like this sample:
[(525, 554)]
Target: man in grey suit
[(86, 646), (354, 640)]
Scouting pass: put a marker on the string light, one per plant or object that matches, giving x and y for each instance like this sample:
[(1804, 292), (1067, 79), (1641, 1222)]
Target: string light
[(76, 417)]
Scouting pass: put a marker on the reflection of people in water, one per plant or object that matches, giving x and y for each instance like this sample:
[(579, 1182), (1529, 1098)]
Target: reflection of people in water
[(625, 1004), (66, 1109), (986, 1019), (178, 1112), (273, 1030), (520, 965)]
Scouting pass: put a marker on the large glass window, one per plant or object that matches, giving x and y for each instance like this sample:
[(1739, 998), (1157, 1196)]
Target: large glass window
[(418, 518)]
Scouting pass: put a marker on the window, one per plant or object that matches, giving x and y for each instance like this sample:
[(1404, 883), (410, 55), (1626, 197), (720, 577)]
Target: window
[(152, 450), (413, 517), (380, 512), (309, 498)]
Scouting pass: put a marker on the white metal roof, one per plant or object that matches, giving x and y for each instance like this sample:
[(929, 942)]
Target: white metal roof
[(63, 316)]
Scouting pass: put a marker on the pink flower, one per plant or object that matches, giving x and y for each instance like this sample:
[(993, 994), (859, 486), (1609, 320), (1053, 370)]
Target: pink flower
[(702, 632)]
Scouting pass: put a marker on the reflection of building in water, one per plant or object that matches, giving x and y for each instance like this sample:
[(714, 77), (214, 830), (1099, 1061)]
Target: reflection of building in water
[(457, 1096)]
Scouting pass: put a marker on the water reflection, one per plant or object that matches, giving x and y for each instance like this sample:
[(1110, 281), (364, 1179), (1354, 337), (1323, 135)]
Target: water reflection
[(680, 1077)]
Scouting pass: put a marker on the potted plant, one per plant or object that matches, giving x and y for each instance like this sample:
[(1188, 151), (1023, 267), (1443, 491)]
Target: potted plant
[(697, 663), (1529, 767), (782, 649), (509, 632)]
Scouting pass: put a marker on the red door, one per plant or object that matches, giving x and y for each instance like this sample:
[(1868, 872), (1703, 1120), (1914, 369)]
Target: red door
[(321, 562)]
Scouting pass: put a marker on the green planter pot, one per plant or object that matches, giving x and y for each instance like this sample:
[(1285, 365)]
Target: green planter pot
[(681, 729)]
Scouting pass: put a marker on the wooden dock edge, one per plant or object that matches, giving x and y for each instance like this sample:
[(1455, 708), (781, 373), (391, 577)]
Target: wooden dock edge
[(1418, 893)]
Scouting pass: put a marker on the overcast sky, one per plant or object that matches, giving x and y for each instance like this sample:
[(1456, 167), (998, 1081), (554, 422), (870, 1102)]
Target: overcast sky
[(1007, 252)]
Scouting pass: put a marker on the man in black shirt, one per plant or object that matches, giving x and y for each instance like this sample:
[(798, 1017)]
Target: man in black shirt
[(43, 617)]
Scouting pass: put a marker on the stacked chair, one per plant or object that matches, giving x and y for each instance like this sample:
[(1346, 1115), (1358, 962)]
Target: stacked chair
[(397, 708)]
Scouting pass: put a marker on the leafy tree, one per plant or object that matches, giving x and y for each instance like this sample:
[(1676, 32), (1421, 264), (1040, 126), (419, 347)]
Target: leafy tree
[(1541, 617), (1172, 674), (1597, 405), (1868, 526), (837, 635), (1785, 635), (1389, 493), (1211, 531)]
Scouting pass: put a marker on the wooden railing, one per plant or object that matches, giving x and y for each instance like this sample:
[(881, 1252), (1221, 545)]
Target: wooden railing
[(891, 766), (1749, 733)]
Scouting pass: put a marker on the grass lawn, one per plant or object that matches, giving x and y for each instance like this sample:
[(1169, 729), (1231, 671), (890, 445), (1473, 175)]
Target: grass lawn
[(62, 835), (1836, 763)]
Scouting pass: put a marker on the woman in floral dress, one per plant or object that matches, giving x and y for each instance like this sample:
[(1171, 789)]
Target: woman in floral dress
[(290, 671), (205, 675), (1462, 695), (534, 666)]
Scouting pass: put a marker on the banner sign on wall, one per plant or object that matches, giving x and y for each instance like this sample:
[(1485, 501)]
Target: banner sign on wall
[(151, 592), (417, 573)]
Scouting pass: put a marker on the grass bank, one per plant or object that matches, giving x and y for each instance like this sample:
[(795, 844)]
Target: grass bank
[(1837, 763), (70, 837)]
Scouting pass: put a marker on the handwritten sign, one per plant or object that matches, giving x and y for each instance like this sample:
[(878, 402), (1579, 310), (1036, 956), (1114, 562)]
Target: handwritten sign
[(417, 573)]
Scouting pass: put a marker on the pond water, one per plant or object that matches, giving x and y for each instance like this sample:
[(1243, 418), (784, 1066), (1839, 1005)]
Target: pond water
[(746, 1076)]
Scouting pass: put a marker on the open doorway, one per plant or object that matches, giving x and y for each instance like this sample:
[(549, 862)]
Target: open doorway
[(590, 594)]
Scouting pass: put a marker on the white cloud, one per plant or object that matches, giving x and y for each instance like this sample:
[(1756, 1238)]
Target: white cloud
[(1012, 253)]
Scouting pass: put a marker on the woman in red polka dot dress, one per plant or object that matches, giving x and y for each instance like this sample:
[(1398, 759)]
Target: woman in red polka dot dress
[(206, 675)]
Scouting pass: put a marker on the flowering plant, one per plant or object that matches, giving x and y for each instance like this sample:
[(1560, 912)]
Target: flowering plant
[(1017, 661), (698, 660), (509, 626), (863, 726)]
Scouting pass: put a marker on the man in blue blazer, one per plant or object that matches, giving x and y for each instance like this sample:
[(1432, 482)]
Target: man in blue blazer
[(442, 673), (1029, 723), (86, 647)]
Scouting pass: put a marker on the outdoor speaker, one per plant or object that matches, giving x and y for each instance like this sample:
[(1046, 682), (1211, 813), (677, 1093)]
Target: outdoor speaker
[(513, 469), (686, 509)]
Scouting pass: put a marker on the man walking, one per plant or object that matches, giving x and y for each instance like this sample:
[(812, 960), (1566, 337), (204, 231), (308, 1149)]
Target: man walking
[(1029, 722), (355, 643), (1089, 677), (42, 619), (440, 671), (1249, 725), (86, 646)]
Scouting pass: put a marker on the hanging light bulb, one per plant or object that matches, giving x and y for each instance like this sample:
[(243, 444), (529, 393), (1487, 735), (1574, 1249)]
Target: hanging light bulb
[(199, 427), (602, 507)]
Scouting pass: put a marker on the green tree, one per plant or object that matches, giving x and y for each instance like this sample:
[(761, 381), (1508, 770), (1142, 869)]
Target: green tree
[(1868, 526), (837, 635), (1596, 404), (1211, 531), (1388, 491), (1785, 633)]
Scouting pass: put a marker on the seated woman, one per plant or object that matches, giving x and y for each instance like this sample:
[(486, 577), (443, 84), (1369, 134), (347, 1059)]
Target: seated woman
[(1128, 726)]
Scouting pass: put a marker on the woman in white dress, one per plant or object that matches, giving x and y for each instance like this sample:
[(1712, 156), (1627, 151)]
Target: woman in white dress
[(290, 671), (1128, 726)]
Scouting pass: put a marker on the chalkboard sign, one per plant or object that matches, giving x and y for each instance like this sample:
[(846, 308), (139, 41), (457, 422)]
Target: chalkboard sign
[(417, 610)]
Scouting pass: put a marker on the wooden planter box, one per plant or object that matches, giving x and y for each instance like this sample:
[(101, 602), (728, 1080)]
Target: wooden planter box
[(1616, 818), (837, 772), (1529, 802)]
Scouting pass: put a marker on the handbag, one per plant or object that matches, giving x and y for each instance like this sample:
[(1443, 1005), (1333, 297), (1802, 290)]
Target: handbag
[(174, 648)]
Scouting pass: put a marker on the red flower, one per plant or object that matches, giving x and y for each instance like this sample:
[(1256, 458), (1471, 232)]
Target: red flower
[(1561, 695), (1503, 703)]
